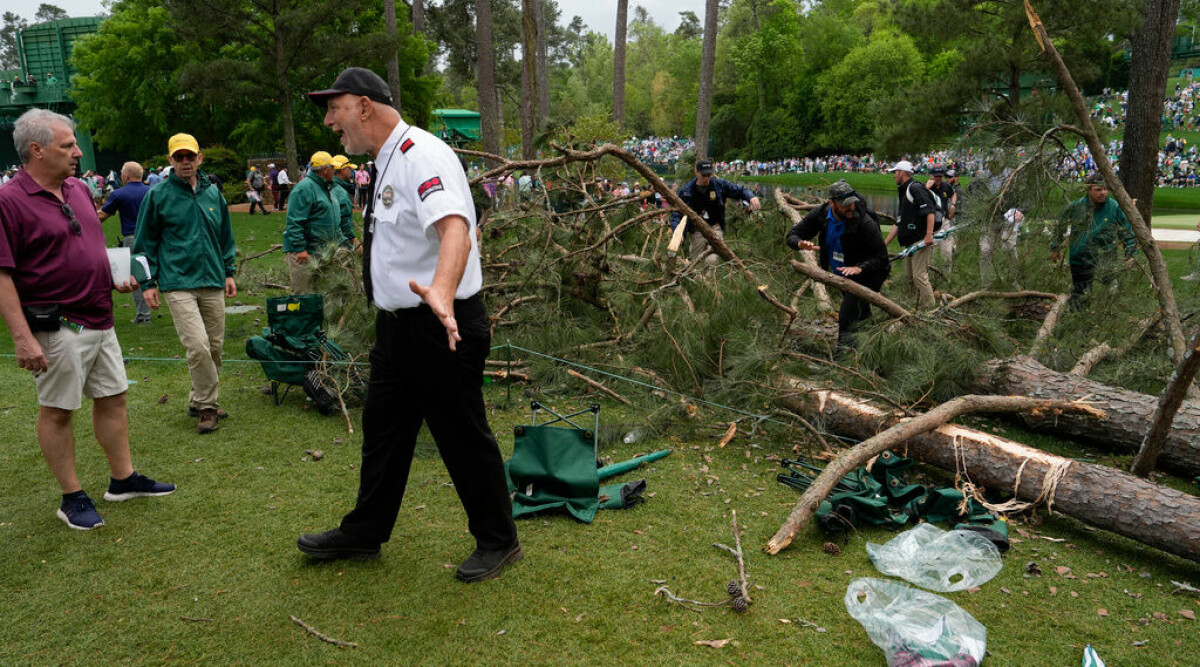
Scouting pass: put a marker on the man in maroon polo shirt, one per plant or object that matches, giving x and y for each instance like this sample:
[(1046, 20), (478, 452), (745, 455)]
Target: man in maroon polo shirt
[(56, 298)]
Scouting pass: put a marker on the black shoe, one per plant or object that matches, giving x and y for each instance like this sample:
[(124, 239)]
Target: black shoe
[(334, 544), (488, 563)]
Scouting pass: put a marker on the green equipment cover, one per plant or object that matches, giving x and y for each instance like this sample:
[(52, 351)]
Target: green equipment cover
[(880, 497)]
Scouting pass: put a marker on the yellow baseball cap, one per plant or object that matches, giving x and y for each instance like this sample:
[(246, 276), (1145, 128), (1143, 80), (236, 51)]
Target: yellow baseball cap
[(341, 162), (182, 142), (321, 159)]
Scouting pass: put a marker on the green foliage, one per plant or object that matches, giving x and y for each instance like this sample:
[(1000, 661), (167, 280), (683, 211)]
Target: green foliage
[(10, 56), (48, 12), (851, 101), (210, 70), (127, 89), (226, 164)]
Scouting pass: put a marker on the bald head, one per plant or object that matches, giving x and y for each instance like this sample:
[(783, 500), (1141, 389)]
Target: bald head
[(131, 172)]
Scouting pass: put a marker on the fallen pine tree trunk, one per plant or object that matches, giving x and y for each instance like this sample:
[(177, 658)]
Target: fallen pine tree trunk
[(1129, 412), (1102, 497)]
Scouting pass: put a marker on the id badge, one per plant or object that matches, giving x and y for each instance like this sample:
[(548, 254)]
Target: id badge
[(839, 257)]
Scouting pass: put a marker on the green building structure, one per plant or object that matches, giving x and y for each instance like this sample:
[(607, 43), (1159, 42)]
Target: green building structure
[(45, 53), (456, 126)]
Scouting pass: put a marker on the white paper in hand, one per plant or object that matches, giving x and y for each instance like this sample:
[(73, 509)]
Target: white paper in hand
[(118, 263)]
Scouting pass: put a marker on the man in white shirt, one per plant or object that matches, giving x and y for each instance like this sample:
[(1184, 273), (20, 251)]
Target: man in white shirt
[(285, 188), (421, 267)]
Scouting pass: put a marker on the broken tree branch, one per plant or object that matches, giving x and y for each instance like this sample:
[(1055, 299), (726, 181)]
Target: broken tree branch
[(1168, 404), (986, 294), (741, 560), (895, 436), (1048, 324), (277, 246), (1103, 497), (641, 217), (1158, 268), (323, 637), (574, 373), (807, 256), (850, 287), (1129, 412), (1105, 351)]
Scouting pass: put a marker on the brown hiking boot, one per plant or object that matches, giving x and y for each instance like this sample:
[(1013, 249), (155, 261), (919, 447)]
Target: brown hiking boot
[(194, 413), (208, 421)]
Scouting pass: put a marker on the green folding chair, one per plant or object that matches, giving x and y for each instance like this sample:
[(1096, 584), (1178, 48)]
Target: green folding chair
[(554, 468), (294, 351)]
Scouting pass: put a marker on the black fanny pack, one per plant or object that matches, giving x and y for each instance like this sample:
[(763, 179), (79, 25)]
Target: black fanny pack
[(42, 318)]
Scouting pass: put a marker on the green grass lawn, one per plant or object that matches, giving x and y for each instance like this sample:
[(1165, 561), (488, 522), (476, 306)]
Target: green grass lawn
[(211, 575)]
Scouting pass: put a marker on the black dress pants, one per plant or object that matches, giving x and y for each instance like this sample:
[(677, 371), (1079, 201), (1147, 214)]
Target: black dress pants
[(415, 379)]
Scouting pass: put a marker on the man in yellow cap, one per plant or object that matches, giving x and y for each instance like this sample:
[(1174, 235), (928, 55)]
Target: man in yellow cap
[(313, 218), (185, 232), (343, 192)]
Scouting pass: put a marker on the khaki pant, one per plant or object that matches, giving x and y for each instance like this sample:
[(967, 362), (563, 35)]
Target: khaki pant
[(916, 271), (698, 245), (86, 362), (299, 275), (200, 322)]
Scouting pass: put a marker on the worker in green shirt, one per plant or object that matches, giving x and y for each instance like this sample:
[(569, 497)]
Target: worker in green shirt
[(1097, 224), (313, 220), (343, 192), (184, 230)]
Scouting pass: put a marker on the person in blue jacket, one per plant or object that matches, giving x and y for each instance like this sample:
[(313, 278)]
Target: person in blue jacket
[(706, 195)]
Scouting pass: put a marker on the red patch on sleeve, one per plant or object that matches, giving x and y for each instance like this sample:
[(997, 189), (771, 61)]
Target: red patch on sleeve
[(429, 187), (408, 143)]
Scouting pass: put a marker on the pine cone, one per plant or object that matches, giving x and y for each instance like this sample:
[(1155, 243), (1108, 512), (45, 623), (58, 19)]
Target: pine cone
[(832, 549), (740, 605), (734, 588)]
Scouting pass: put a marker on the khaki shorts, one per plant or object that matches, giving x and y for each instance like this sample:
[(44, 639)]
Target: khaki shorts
[(87, 363)]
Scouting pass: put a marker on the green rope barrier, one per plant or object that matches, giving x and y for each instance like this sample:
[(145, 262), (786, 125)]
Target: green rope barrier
[(646, 385), (508, 347)]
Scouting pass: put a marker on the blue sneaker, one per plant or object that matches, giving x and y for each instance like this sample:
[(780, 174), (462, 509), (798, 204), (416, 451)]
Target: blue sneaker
[(136, 486), (79, 512)]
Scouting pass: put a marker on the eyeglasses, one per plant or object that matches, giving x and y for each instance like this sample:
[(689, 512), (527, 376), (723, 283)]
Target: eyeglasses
[(184, 157), (75, 226)]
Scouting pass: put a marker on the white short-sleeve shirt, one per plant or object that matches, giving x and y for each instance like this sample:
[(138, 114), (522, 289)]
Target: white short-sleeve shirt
[(420, 181)]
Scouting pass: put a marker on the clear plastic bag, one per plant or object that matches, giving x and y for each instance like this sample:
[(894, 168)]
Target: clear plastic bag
[(942, 561), (915, 628)]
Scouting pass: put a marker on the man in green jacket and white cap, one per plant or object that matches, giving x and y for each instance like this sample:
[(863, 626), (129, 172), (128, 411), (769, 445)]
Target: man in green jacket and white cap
[(313, 220), (185, 233)]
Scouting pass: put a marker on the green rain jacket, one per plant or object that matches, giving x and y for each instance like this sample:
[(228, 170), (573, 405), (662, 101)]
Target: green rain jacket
[(341, 192), (186, 235), (312, 216), (1095, 230)]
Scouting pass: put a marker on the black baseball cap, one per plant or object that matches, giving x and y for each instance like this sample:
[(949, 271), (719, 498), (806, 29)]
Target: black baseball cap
[(704, 167), (355, 81)]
